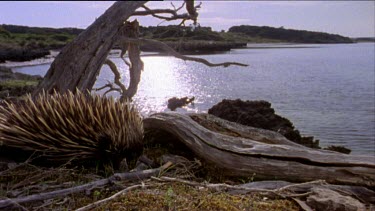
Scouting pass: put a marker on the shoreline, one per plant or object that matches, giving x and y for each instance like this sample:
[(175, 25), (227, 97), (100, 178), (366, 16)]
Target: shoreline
[(115, 52)]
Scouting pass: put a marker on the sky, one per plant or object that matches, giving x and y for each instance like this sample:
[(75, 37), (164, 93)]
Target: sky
[(347, 18)]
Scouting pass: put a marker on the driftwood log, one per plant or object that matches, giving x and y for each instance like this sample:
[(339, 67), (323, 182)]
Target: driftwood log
[(240, 150)]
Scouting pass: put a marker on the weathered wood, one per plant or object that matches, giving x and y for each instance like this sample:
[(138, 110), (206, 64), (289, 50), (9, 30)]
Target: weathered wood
[(79, 63), (131, 176), (282, 188), (265, 154), (361, 193)]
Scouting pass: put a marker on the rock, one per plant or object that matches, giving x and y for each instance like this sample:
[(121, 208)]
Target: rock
[(175, 102), (175, 159), (259, 114), (7, 74), (22, 54), (326, 199)]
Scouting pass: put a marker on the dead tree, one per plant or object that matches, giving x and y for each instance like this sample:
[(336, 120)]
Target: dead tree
[(130, 43), (79, 63)]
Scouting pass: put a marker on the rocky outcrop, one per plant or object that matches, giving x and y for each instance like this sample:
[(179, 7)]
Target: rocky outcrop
[(7, 74), (326, 199), (174, 102), (21, 54), (259, 114)]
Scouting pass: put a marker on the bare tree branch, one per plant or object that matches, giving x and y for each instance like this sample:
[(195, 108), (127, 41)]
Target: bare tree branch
[(183, 4), (171, 51), (111, 88), (115, 71), (138, 175), (114, 196), (191, 15), (154, 12)]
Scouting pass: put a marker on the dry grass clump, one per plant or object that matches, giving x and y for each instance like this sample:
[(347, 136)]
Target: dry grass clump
[(177, 196)]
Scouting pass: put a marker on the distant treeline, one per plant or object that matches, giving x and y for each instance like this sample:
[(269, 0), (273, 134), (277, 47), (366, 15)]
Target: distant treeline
[(289, 35), (40, 30), (364, 39), (176, 32), (23, 43), (20, 43)]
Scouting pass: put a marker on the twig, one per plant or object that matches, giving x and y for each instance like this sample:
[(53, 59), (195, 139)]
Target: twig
[(219, 187), (114, 196), (166, 48), (154, 12), (183, 4), (211, 185), (139, 175), (321, 182), (18, 206)]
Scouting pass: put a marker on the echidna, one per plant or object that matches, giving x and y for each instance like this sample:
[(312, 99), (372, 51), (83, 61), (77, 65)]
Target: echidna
[(64, 127)]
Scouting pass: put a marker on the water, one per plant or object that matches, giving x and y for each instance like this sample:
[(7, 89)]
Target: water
[(327, 91)]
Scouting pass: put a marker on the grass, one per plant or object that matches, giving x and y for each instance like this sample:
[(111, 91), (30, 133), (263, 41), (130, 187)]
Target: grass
[(17, 88), (240, 37), (17, 83), (48, 41), (27, 179), (177, 196)]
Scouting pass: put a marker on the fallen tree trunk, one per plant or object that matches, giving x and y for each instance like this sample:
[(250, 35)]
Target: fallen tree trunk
[(244, 151), (79, 63)]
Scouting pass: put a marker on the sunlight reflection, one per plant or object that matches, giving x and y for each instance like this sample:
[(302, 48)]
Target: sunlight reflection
[(163, 78)]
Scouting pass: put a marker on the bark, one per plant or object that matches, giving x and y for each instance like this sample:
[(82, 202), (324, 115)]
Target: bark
[(79, 63), (240, 150)]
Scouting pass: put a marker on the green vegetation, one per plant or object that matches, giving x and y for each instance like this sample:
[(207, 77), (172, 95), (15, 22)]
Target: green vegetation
[(22, 43), (36, 37), (186, 40), (16, 84), (26, 179), (289, 35), (175, 33), (177, 196), (364, 39)]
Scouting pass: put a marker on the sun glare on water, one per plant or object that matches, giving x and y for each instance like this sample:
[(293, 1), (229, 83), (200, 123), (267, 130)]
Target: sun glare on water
[(162, 78)]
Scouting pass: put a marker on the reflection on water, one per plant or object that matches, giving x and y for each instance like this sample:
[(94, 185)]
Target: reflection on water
[(162, 79), (327, 91)]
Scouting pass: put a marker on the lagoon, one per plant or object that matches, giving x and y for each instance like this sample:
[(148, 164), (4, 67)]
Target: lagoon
[(326, 90)]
